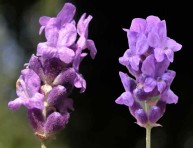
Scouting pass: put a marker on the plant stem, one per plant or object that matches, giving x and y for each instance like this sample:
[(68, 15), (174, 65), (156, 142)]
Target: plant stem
[(43, 145), (148, 136)]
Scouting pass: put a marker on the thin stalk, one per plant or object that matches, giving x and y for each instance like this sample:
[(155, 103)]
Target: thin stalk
[(148, 128), (43, 145), (148, 136)]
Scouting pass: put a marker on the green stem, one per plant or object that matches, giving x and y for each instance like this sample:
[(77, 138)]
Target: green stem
[(148, 128), (148, 136), (43, 145), (146, 107)]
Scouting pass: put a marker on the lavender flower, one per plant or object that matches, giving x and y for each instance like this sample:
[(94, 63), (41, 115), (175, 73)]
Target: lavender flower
[(147, 59), (51, 74)]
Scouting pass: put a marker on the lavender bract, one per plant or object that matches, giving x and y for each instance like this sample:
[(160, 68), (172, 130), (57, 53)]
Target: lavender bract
[(147, 59), (51, 74)]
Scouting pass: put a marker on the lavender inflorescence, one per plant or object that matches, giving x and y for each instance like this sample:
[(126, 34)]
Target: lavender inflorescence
[(46, 82), (147, 60)]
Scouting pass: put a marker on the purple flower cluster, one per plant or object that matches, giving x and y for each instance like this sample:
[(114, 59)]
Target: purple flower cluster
[(147, 59), (45, 84)]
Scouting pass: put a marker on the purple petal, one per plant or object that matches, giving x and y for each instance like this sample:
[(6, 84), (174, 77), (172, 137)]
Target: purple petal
[(77, 59), (81, 43), (161, 86), (15, 104), (159, 54), (27, 88), (134, 107), (152, 21), (153, 39), (132, 38), (44, 20), (169, 97), (79, 56), (55, 95), (134, 62), (162, 31), (80, 82), (140, 94), (138, 25), (66, 54), (148, 66), (51, 31), (66, 76), (124, 60), (92, 48), (32, 81), (37, 101), (141, 117), (154, 114), (41, 29), (36, 66), (82, 26), (161, 67), (173, 45), (67, 13), (128, 83), (67, 35), (169, 76), (126, 98), (52, 67), (36, 119), (55, 122), (141, 45), (149, 84), (45, 51), (170, 54)]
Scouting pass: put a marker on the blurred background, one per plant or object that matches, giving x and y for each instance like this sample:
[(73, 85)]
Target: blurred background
[(97, 121)]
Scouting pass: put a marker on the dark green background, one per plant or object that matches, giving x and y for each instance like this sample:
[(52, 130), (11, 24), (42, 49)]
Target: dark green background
[(97, 121)]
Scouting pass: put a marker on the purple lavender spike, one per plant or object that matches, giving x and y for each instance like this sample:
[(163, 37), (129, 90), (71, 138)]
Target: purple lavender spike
[(147, 59), (51, 74)]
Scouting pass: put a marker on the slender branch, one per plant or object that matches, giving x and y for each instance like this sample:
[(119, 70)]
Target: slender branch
[(148, 136)]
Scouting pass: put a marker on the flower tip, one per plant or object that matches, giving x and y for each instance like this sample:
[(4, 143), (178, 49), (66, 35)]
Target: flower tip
[(13, 106), (153, 18), (44, 20), (70, 6), (126, 99), (89, 17), (83, 16), (122, 74), (126, 30), (179, 47), (118, 101)]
